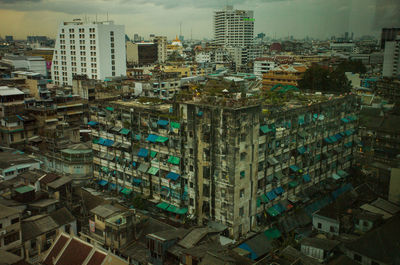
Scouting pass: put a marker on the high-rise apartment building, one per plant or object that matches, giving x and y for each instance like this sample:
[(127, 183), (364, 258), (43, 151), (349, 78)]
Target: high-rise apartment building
[(391, 59), (234, 27), (94, 49), (388, 34), (236, 165), (161, 42)]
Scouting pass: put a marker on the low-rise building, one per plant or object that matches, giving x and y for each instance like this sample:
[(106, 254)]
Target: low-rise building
[(320, 249), (283, 75), (10, 230)]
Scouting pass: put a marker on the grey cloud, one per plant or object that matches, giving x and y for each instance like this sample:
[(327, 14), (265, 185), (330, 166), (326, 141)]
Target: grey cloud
[(17, 1), (387, 14)]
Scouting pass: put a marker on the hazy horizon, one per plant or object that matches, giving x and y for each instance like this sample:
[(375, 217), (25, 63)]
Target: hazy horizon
[(299, 18)]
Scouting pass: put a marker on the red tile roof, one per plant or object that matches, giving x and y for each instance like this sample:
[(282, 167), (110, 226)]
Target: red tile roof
[(75, 253), (97, 258), (56, 250)]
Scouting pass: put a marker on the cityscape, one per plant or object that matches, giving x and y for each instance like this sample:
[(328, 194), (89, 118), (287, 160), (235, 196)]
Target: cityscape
[(195, 133)]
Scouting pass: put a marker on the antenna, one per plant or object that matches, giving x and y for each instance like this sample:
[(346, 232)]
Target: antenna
[(96, 17), (107, 16), (180, 29)]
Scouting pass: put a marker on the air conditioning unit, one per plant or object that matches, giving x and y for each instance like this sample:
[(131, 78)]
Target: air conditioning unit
[(3, 232)]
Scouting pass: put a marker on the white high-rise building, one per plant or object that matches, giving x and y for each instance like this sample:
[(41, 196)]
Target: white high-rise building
[(391, 59), (95, 49), (234, 28)]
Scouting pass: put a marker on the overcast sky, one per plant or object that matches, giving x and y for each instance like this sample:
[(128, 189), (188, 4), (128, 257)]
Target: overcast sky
[(315, 18)]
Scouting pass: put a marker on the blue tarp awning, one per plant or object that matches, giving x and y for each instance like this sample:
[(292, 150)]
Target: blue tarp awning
[(279, 208), (103, 182), (92, 123), (143, 152), (301, 150), (152, 138), (306, 178), (162, 122), (279, 190), (136, 181), (173, 175), (108, 142), (294, 168), (271, 195)]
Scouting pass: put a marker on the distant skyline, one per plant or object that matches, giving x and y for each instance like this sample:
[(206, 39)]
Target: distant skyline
[(300, 18)]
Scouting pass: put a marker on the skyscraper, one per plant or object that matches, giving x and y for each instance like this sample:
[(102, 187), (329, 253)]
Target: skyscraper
[(391, 60), (95, 49), (234, 27)]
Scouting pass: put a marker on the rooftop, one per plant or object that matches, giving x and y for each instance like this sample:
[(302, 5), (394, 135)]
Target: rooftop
[(7, 211), (12, 158), (10, 91), (105, 210), (324, 244), (380, 244)]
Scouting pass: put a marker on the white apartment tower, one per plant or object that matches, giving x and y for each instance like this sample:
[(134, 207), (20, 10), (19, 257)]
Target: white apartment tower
[(234, 28), (391, 59), (94, 49)]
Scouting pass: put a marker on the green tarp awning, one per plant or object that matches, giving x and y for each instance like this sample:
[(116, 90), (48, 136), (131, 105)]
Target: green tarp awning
[(110, 108), (153, 153), (161, 139), (124, 131), (175, 125), (272, 233), (271, 211), (126, 191), (162, 205), (264, 198), (174, 160), (293, 184), (153, 170)]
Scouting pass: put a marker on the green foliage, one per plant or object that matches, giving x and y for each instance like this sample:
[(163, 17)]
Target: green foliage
[(138, 202), (352, 66), (175, 56), (317, 78)]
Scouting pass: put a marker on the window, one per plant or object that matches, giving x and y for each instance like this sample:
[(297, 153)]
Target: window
[(243, 156), (357, 258), (365, 223), (242, 174), (241, 211), (332, 229), (11, 238), (241, 193), (319, 225)]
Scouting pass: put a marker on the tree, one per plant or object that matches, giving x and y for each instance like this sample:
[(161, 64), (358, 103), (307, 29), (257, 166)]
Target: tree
[(317, 78), (352, 66)]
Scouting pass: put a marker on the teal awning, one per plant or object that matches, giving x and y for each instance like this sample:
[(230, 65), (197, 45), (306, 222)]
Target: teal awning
[(293, 184), (124, 131), (153, 171), (126, 191), (272, 211), (342, 173), (110, 108), (174, 160), (161, 139), (175, 125), (272, 233), (335, 176)]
